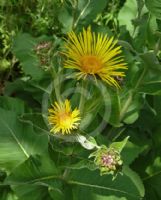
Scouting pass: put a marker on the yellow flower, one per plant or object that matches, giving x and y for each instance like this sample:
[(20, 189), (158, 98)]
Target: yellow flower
[(62, 118), (94, 54)]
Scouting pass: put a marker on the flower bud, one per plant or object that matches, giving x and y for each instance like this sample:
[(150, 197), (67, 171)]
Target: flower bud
[(108, 160)]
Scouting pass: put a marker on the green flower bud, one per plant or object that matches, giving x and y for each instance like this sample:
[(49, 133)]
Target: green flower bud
[(108, 160)]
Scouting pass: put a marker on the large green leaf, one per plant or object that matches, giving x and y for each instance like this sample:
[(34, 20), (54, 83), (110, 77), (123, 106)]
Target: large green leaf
[(154, 7), (18, 140), (34, 169), (88, 10), (91, 183), (30, 179)]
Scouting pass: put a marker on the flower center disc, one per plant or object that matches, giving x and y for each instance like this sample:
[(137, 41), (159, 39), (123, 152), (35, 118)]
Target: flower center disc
[(65, 119), (91, 64)]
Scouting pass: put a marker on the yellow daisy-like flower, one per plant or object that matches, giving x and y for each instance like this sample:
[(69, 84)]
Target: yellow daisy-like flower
[(62, 118), (94, 54)]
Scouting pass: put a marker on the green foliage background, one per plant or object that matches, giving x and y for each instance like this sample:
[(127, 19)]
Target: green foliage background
[(36, 166)]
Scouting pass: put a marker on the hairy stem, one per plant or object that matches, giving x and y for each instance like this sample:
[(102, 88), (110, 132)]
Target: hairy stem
[(56, 84), (82, 97)]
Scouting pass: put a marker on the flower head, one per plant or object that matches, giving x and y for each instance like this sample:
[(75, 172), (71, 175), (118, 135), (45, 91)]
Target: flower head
[(62, 118), (108, 160), (94, 54)]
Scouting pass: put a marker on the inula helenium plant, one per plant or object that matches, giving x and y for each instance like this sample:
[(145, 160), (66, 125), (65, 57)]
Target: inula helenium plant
[(80, 100)]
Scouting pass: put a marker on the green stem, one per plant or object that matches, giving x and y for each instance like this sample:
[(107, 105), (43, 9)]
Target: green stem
[(75, 6), (56, 84), (81, 14), (82, 97)]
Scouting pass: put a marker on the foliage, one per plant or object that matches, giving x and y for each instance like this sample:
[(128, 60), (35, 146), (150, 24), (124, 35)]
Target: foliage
[(36, 164)]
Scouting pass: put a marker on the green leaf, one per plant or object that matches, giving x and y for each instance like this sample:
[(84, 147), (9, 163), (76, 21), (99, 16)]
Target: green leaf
[(110, 111), (30, 179), (101, 197), (88, 10), (152, 181), (12, 104), (66, 18), (151, 81), (131, 152), (30, 91), (143, 32), (132, 112), (18, 140), (151, 87), (91, 110), (119, 145), (56, 194), (127, 13), (23, 48), (91, 183), (157, 107), (132, 118), (135, 178), (31, 192), (151, 63), (154, 7), (34, 169), (7, 194)]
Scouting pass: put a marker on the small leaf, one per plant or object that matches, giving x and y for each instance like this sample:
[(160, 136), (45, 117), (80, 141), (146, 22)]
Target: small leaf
[(119, 145)]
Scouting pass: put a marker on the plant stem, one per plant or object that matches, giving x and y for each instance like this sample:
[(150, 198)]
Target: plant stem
[(82, 97), (56, 84)]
